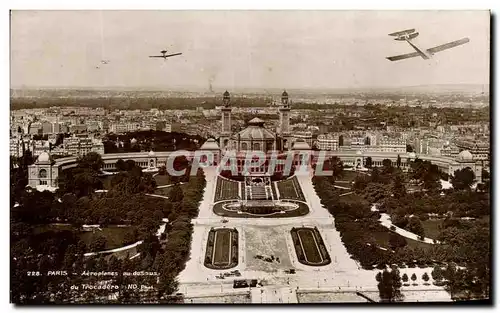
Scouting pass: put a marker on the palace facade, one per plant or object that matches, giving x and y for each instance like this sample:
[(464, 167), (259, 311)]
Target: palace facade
[(44, 172)]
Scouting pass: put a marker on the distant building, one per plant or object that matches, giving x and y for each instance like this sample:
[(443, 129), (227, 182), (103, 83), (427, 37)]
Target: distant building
[(118, 128), (480, 150), (328, 142), (78, 128), (47, 128), (391, 145), (35, 128), (40, 146), (450, 151), (16, 147), (81, 145), (304, 136)]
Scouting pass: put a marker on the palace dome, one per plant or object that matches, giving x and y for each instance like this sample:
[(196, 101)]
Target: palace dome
[(256, 131), (210, 144), (44, 157), (465, 156)]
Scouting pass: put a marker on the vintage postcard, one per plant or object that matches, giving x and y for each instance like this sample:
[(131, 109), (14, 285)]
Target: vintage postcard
[(257, 157)]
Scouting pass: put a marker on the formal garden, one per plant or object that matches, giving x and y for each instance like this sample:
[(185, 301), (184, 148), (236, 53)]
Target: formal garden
[(282, 209), (226, 189), (290, 189), (309, 246), (222, 248)]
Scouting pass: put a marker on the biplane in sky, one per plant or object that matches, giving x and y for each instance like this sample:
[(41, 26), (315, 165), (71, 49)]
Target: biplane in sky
[(410, 34)]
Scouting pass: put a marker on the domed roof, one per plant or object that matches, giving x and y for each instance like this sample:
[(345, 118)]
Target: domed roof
[(210, 144), (256, 131), (226, 93), (284, 94), (300, 144), (151, 153), (465, 156), (44, 157), (256, 121)]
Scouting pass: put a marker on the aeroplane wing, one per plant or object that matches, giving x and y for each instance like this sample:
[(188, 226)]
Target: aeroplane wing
[(403, 32), (172, 55), (448, 45), (403, 56), (156, 56)]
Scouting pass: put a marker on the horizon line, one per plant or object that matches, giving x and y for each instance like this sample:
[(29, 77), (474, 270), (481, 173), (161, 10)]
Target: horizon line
[(197, 88)]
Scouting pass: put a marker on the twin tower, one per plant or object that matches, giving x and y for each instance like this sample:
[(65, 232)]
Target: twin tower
[(284, 123)]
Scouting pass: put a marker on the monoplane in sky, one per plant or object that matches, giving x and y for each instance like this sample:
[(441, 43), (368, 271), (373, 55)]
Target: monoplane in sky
[(410, 34), (164, 55)]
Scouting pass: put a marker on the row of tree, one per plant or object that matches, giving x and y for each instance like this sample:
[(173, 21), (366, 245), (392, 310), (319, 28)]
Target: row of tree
[(361, 232), (151, 140), (36, 252)]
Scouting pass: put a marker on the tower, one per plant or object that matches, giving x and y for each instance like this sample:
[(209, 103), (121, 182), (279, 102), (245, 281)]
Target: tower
[(284, 112), (226, 121)]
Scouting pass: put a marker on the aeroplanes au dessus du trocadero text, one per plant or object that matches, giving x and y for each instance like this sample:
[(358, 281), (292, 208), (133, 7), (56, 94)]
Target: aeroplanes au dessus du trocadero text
[(409, 34)]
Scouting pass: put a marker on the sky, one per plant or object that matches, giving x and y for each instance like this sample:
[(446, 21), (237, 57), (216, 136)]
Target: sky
[(244, 49)]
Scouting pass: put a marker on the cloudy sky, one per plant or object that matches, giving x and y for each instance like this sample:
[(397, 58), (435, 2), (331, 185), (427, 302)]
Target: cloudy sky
[(238, 49)]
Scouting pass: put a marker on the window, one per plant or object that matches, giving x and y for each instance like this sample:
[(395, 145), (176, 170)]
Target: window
[(269, 146), (42, 173)]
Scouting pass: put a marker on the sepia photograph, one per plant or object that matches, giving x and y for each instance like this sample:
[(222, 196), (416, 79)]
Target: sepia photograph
[(250, 157)]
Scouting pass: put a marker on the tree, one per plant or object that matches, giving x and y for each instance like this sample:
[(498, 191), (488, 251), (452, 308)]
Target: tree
[(396, 241), (130, 165), (97, 243), (405, 278), (398, 161), (335, 165), (413, 278), (92, 161), (386, 163), (485, 175), (437, 273), (415, 226), (389, 286), (375, 177), (341, 140), (425, 277), (409, 148), (176, 194), (398, 188), (368, 162), (121, 165), (360, 182), (463, 179)]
